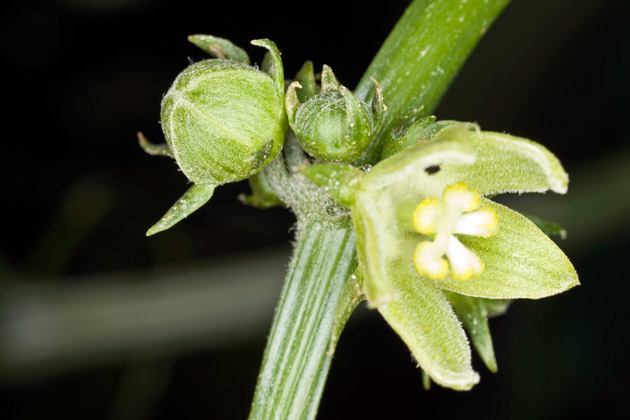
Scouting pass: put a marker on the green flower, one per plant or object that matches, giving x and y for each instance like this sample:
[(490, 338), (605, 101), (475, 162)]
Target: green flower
[(498, 252)]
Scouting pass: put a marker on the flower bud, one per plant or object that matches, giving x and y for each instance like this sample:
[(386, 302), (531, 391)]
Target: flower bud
[(333, 125), (224, 120)]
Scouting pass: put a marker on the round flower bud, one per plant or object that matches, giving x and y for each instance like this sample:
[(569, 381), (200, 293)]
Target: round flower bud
[(333, 125), (224, 120)]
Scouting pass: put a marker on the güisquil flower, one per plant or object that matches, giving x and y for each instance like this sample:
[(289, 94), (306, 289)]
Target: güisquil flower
[(432, 247)]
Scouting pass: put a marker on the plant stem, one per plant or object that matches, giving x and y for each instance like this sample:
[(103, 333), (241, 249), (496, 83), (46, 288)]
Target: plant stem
[(298, 353), (422, 55)]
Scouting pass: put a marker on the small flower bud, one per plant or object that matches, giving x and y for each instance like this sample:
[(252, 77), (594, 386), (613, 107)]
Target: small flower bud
[(223, 119), (333, 125)]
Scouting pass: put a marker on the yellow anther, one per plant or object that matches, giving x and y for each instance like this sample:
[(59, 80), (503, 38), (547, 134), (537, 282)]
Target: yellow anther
[(426, 215)]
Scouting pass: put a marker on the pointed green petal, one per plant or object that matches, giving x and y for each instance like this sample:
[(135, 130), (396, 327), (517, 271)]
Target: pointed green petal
[(521, 262), (306, 78), (219, 47), (425, 321), (474, 316), (507, 164), (329, 81), (273, 65), (195, 197)]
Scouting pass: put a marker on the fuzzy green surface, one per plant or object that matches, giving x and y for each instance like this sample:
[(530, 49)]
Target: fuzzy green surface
[(474, 317), (217, 115), (331, 130), (196, 196), (298, 353), (521, 261)]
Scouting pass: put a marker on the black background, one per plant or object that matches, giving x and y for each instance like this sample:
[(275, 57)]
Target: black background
[(81, 77)]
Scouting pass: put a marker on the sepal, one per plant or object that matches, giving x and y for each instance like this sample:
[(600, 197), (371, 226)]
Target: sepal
[(220, 47), (474, 317), (191, 201), (306, 78)]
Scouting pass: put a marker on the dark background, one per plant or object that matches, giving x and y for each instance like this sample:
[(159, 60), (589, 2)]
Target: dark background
[(81, 77)]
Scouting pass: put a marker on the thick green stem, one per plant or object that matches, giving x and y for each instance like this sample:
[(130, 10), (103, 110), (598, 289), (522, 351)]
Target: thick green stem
[(422, 55), (298, 353)]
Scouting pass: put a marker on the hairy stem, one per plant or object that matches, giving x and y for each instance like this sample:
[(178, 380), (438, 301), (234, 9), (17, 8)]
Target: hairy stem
[(297, 357)]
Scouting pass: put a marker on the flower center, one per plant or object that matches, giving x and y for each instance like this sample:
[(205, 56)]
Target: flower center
[(457, 212)]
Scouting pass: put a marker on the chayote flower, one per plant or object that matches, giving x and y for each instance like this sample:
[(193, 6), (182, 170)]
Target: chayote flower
[(433, 247)]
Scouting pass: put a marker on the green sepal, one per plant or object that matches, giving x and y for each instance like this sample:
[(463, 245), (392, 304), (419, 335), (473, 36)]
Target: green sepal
[(306, 78), (378, 106), (154, 149), (359, 123), (426, 380), (520, 261), (495, 307), (474, 317), (292, 101), (262, 195), (548, 227), (195, 197), (220, 48), (340, 181), (272, 64), (329, 81)]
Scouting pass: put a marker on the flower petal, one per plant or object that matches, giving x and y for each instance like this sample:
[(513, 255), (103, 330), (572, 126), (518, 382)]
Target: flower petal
[(425, 321), (521, 262), (482, 222), (507, 164)]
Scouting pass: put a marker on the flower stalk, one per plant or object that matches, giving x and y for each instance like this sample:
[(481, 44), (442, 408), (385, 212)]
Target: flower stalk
[(298, 353)]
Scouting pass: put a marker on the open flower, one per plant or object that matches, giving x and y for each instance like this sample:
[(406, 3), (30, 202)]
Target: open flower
[(401, 245)]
